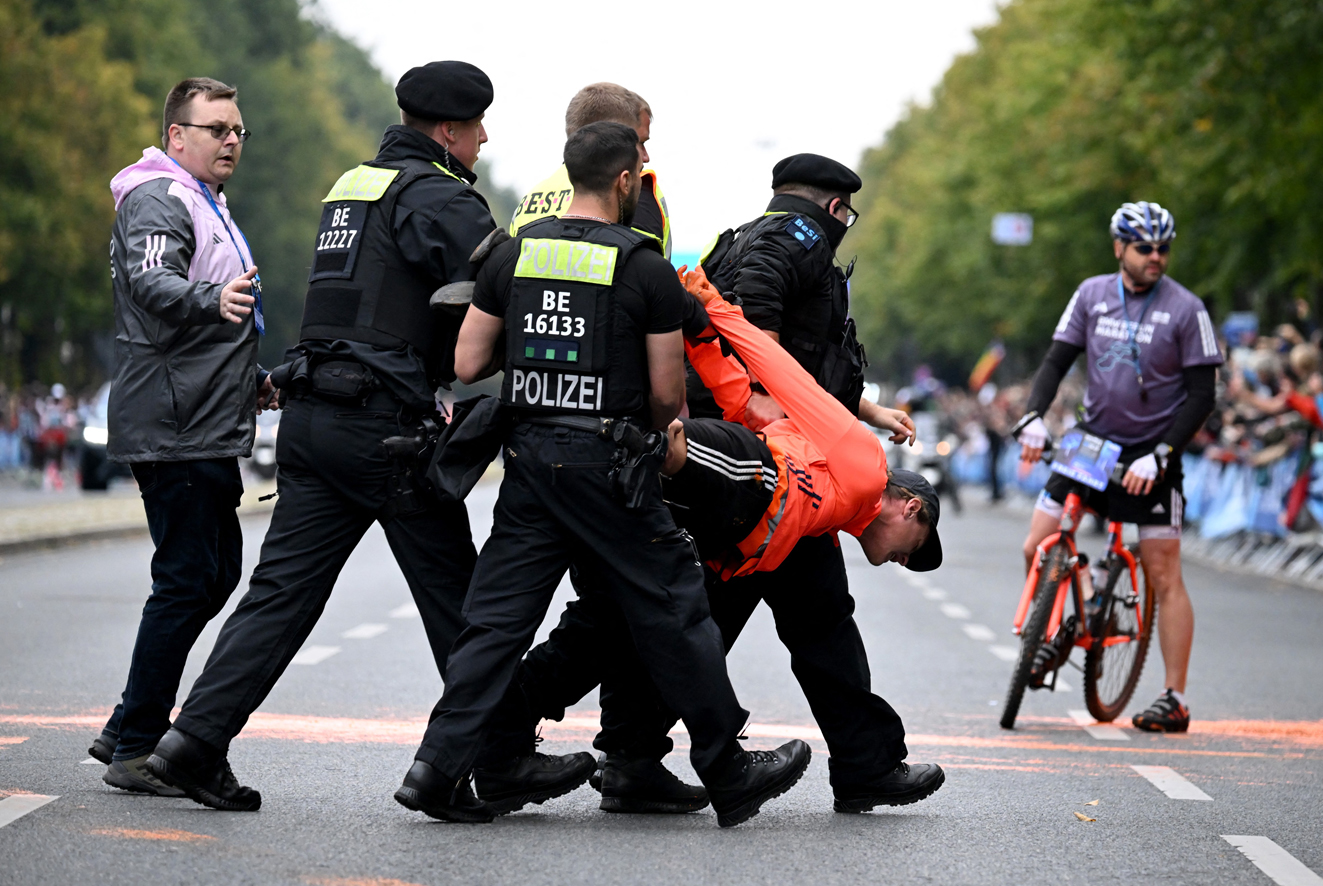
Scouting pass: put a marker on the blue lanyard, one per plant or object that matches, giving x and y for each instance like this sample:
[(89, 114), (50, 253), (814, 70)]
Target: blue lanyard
[(1132, 331), (258, 319)]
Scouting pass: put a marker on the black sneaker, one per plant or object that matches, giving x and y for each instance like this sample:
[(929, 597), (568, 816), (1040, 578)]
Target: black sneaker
[(103, 749), (535, 778), (428, 790), (202, 772), (645, 785), (1164, 715), (901, 786), (130, 775), (739, 787)]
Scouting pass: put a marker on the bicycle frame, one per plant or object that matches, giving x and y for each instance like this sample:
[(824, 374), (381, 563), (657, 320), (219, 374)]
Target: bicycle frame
[(1069, 584)]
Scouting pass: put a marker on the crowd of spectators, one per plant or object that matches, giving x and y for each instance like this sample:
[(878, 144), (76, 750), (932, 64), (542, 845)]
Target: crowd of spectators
[(39, 429)]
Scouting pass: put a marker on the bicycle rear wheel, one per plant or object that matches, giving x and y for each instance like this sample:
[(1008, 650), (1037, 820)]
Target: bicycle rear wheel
[(1113, 663), (1033, 631)]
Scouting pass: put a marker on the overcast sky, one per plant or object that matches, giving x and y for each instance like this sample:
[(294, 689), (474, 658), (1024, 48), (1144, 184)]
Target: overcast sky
[(734, 86)]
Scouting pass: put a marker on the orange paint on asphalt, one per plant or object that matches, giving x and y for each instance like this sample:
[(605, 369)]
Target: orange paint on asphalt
[(6, 740), (1305, 733), (167, 834)]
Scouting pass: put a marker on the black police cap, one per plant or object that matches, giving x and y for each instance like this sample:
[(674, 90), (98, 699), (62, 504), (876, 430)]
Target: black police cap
[(444, 91), (929, 555), (816, 170)]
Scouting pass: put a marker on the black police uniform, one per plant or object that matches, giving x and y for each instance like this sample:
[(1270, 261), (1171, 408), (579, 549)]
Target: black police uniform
[(578, 299), (370, 356)]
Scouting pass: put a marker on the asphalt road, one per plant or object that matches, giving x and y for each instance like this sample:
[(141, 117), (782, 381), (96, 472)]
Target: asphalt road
[(335, 737)]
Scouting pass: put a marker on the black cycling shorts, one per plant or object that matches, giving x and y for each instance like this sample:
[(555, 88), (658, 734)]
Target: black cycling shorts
[(726, 484), (1163, 506)]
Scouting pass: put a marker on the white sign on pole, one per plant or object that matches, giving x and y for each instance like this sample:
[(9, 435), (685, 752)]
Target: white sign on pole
[(1012, 229)]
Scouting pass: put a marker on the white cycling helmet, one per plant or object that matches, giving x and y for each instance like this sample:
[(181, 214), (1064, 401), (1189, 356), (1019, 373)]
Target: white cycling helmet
[(1143, 221)]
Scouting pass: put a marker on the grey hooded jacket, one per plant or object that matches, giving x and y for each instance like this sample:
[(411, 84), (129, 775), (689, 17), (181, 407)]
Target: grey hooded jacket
[(185, 380)]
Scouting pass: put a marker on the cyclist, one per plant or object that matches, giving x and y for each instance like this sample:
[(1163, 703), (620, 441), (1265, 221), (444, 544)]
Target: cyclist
[(1152, 356)]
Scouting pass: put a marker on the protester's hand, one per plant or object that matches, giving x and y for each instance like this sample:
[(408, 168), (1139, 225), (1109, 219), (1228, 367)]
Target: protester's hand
[(1143, 472), (677, 448), (699, 286), (761, 411), (1033, 440), (235, 302), (897, 421), (267, 394)]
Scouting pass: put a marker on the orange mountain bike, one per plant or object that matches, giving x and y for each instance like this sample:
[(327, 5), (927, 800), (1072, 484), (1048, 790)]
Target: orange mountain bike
[(1113, 623)]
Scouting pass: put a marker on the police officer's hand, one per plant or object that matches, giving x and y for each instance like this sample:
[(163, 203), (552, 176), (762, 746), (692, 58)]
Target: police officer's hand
[(235, 302), (897, 421), (267, 396), (761, 411)]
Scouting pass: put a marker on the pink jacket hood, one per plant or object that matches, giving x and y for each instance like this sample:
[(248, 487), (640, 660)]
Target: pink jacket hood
[(154, 164)]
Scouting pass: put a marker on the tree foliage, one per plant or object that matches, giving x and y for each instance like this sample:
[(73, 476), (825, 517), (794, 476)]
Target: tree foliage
[(1066, 109)]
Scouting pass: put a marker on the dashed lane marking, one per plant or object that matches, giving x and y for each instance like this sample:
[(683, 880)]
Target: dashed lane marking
[(934, 594), (365, 632), (1171, 783), (15, 806), (408, 610), (91, 761), (311, 655), (955, 610), (1100, 731), (1005, 653), (981, 633), (1282, 867)]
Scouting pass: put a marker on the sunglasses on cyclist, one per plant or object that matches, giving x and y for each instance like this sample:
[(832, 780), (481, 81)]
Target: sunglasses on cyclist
[(1147, 248), (219, 130)]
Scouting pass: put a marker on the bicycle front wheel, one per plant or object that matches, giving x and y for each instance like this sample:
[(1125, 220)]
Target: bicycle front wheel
[(1121, 631), (1034, 630)]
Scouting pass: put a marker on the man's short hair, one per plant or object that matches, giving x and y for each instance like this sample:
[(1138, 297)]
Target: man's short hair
[(900, 493), (602, 103), (422, 124), (597, 153), (176, 103), (810, 192)]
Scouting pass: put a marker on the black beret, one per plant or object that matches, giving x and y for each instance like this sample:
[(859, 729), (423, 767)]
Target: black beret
[(816, 170), (444, 91)]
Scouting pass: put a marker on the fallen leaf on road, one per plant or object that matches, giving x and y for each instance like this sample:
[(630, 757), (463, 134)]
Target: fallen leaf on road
[(1082, 817), (1091, 803)]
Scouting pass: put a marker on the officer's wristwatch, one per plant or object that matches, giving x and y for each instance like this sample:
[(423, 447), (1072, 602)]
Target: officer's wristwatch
[(1162, 454), (757, 388)]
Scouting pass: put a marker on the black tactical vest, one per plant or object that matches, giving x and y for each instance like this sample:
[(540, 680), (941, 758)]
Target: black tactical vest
[(360, 288), (571, 349), (817, 332)]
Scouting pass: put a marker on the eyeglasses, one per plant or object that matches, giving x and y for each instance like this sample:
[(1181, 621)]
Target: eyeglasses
[(1147, 248), (219, 130), (850, 215)]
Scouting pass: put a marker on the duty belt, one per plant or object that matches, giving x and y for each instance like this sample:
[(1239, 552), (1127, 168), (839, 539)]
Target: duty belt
[(603, 427)]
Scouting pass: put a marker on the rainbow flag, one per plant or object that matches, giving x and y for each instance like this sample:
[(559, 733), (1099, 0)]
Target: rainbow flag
[(986, 365)]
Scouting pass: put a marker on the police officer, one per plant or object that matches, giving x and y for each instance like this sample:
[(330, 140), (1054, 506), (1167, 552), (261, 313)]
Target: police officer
[(370, 356), (781, 266), (589, 314)]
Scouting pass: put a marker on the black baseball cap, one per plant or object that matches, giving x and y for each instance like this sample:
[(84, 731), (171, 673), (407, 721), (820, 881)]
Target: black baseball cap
[(929, 555), (448, 90)]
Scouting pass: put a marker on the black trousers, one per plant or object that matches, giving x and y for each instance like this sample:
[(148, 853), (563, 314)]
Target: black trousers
[(197, 565), (810, 599), (335, 481), (556, 510)]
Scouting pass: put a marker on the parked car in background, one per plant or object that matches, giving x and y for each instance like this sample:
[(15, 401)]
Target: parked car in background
[(95, 470), (263, 460)]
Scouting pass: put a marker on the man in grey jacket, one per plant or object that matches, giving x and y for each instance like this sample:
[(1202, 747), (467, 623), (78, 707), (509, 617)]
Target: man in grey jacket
[(188, 315)]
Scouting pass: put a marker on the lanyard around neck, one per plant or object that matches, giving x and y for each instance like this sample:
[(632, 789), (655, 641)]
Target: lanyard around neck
[(1132, 332)]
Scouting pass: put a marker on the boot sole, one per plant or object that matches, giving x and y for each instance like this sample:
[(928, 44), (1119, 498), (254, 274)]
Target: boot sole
[(504, 805), (751, 807), (177, 778), (922, 792), (651, 807), (134, 788), (411, 799)]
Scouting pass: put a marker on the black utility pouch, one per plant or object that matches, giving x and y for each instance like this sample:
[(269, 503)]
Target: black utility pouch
[(343, 381)]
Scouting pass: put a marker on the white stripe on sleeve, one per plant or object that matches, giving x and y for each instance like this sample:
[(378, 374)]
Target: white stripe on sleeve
[(1064, 322)]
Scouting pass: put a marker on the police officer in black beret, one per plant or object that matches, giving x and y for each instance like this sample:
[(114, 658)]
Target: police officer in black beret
[(360, 405)]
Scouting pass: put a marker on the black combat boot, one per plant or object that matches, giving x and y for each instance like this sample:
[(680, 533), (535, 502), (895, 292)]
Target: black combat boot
[(428, 790), (745, 780), (202, 772), (906, 784), (644, 785), (535, 778)]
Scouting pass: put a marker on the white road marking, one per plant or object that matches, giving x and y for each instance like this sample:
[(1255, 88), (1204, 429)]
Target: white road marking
[(408, 610), (1062, 685), (365, 632), (1005, 653), (1100, 731), (15, 806), (981, 633), (1282, 867), (1171, 783), (91, 761), (955, 610), (934, 594), (311, 655)]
